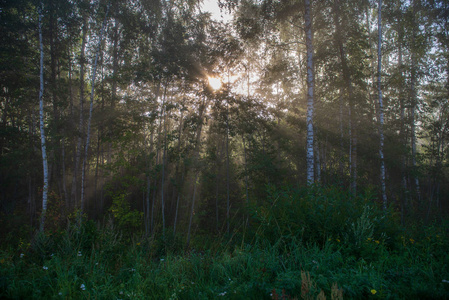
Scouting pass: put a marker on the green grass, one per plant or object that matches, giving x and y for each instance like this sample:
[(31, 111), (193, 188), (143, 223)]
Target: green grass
[(366, 256)]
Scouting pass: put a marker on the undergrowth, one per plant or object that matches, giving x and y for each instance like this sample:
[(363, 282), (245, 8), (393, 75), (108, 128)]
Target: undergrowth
[(300, 244)]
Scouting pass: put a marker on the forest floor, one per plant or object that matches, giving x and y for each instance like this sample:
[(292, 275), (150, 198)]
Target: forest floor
[(264, 261)]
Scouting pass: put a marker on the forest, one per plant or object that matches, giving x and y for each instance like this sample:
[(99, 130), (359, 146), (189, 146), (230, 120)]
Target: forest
[(298, 149)]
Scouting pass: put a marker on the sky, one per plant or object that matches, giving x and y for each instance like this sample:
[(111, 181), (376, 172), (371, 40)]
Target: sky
[(212, 7)]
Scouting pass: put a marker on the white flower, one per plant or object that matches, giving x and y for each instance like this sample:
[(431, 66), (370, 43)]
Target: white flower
[(79, 253), (60, 293), (162, 259), (83, 287), (133, 270), (445, 281), (45, 268), (52, 255), (222, 294), (121, 292), (22, 255)]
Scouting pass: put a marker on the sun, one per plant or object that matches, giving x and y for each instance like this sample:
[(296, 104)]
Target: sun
[(215, 83)]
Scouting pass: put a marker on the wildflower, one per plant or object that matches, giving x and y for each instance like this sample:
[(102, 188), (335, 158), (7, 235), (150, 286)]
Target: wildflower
[(79, 253), (121, 292), (412, 241), (193, 282), (83, 287), (138, 244), (445, 281), (60, 293), (52, 255), (373, 291), (133, 270), (338, 240), (162, 259), (377, 242), (22, 255), (222, 294), (45, 268)]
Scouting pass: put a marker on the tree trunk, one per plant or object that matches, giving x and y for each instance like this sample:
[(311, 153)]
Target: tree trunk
[(179, 183), (310, 88), (196, 158), (246, 170), (192, 210), (163, 112), (41, 122), (228, 208), (81, 122), (350, 94), (403, 137), (148, 225), (413, 81), (381, 109), (94, 72)]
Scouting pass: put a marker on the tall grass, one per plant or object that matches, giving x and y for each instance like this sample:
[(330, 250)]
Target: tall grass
[(304, 245)]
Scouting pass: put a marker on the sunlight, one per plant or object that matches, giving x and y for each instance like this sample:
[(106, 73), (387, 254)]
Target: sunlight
[(215, 83)]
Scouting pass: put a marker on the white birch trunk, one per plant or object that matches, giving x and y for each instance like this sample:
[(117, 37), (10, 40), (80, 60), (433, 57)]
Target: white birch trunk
[(310, 87), (413, 108), (41, 123), (89, 121), (381, 109)]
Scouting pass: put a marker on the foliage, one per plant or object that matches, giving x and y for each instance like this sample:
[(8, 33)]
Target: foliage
[(130, 220), (347, 256), (321, 213)]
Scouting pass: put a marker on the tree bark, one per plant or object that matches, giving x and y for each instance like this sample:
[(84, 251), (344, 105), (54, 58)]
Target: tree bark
[(41, 122), (413, 81), (81, 120), (163, 112), (197, 172), (89, 121), (310, 89), (228, 208), (381, 109)]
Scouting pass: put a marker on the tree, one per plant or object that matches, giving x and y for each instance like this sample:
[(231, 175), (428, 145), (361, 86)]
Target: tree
[(381, 108), (41, 121), (89, 120), (310, 88)]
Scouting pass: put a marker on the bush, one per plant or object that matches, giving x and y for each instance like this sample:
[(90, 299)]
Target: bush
[(318, 214)]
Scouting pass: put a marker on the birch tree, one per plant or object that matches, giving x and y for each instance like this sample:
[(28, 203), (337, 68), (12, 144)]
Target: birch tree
[(89, 121), (381, 109), (310, 87), (41, 121)]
